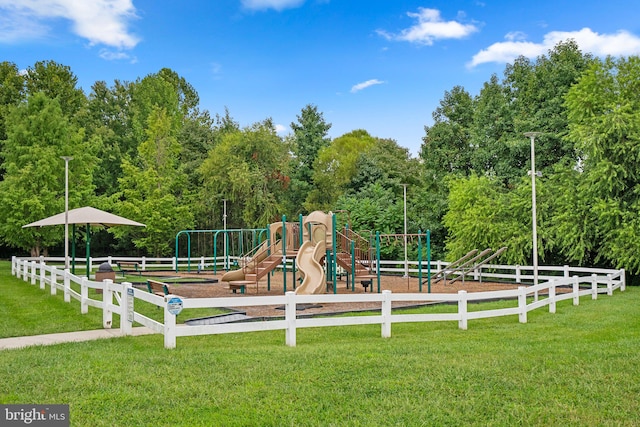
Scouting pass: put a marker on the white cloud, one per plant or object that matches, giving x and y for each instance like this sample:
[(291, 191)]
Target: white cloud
[(271, 4), (620, 43), (99, 21), (430, 27), (365, 85), (280, 129)]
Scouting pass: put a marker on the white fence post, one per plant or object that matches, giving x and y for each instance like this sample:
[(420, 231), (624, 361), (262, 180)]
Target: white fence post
[(84, 296), (54, 280), (107, 302), (127, 301), (67, 285), (290, 318), (25, 267), (33, 272), (518, 273), (609, 284), (566, 271), (594, 286), (42, 274), (462, 310), (13, 266), (623, 277), (144, 263), (522, 304), (169, 325), (576, 290), (386, 314), (552, 296)]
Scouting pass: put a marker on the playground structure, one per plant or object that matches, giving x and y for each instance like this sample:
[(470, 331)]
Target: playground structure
[(469, 262), (316, 250), (319, 252)]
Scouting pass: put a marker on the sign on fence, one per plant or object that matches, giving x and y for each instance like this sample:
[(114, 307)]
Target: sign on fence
[(174, 306), (130, 305)]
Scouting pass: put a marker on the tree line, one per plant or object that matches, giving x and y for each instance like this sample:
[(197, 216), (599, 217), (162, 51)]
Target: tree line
[(147, 151)]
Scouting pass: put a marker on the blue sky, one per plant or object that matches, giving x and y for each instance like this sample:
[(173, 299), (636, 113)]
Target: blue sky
[(380, 65)]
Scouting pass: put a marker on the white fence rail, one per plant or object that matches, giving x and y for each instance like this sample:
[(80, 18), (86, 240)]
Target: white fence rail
[(592, 282), (513, 273)]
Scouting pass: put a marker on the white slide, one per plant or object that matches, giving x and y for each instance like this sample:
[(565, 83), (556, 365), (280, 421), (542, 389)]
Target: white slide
[(308, 260)]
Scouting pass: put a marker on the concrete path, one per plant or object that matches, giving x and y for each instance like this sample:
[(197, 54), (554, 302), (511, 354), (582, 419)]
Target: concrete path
[(50, 339)]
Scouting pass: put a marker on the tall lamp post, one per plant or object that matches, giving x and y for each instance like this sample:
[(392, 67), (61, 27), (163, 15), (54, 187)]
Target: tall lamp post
[(66, 210), (534, 226), (406, 265)]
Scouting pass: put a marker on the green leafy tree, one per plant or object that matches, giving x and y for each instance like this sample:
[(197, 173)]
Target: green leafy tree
[(446, 151), (492, 132), (12, 91), (57, 81), (309, 137), (249, 169), (109, 117), (335, 167), (154, 190), (38, 133), (199, 136), (604, 123), (483, 214)]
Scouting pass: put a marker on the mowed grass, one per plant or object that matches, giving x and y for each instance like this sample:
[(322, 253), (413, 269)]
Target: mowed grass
[(579, 367), (26, 309)]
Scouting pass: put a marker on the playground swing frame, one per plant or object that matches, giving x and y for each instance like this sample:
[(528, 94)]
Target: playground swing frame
[(257, 234), (418, 236)]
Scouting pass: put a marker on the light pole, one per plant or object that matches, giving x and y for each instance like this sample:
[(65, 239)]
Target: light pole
[(534, 225), (406, 265), (66, 210)]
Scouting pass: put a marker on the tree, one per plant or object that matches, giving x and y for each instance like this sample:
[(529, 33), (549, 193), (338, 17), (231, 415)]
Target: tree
[(154, 190), (446, 151), (309, 137), (604, 123), (56, 81), (249, 169), (446, 146), (38, 133), (491, 133), (335, 167), (12, 91), (109, 117), (537, 93), (483, 214)]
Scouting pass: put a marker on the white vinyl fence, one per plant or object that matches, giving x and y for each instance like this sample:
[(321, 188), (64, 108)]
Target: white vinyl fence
[(120, 299)]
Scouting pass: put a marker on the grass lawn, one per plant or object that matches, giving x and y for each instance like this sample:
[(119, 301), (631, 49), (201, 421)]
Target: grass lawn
[(578, 367)]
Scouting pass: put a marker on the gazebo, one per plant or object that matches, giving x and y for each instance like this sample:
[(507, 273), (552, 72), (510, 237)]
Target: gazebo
[(88, 216)]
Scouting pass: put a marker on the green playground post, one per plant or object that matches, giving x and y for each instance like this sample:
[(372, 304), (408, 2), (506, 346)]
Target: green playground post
[(301, 226), (353, 267), (334, 275), (420, 260), (268, 254)]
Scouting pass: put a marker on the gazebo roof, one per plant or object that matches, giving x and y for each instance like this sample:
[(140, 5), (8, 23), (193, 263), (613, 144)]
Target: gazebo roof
[(86, 215)]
